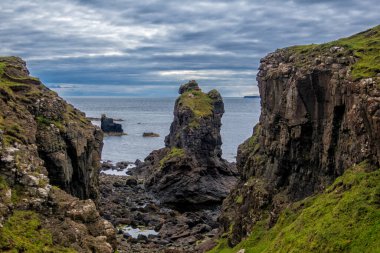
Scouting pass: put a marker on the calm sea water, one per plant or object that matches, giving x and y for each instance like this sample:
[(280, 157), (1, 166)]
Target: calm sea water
[(155, 115)]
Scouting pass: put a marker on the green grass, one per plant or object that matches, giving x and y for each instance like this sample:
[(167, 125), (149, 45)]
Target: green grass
[(3, 184), (239, 199), (17, 193), (2, 68), (365, 46), (43, 122), (22, 232), (13, 132), (253, 142), (198, 102), (344, 218), (174, 152)]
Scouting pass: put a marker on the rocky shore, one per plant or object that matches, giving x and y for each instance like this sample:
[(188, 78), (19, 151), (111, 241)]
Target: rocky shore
[(126, 204)]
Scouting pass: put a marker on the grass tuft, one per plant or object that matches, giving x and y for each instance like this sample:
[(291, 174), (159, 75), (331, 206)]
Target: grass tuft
[(22, 232), (174, 152)]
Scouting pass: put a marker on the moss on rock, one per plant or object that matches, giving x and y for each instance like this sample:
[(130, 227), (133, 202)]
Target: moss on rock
[(198, 102), (22, 232), (344, 218), (364, 46), (173, 153)]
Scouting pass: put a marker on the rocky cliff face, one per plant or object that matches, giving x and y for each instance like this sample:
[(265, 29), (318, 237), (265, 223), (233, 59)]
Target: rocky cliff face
[(66, 141), (320, 115), (190, 170), (43, 142)]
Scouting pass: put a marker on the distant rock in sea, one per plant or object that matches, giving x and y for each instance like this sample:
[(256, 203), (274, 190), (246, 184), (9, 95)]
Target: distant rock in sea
[(150, 134), (108, 126)]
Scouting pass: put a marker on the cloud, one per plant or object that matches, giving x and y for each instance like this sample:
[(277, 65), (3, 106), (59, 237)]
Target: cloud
[(163, 43)]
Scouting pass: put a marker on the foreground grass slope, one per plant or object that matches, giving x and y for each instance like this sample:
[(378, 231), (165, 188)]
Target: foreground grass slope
[(344, 218)]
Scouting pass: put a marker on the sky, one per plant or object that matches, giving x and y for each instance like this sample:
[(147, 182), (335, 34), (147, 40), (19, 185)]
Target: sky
[(148, 48)]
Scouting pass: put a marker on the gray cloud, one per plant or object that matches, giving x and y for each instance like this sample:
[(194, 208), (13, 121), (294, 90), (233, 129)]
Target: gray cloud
[(154, 42)]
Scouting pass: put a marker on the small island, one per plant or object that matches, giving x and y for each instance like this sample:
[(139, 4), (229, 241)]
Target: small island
[(150, 134), (109, 127)]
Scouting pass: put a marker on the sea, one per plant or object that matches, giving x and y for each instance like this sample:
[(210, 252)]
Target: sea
[(141, 115)]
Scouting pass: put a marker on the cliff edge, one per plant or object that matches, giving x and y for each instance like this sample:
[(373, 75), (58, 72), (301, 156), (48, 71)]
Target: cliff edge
[(320, 118), (48, 150)]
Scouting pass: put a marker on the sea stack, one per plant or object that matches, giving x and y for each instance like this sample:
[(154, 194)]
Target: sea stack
[(190, 169)]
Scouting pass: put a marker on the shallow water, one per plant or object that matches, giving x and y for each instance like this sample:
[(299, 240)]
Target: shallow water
[(155, 115), (135, 232)]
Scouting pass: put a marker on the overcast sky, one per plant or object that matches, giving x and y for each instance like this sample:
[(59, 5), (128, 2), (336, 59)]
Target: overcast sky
[(148, 48)]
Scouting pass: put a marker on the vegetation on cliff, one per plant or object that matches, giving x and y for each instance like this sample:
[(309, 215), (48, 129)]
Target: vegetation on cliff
[(22, 232), (344, 218), (45, 141), (197, 101), (172, 153), (364, 46), (319, 117)]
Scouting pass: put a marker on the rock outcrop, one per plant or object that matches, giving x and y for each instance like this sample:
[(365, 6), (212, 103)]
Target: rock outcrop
[(43, 142), (109, 126), (320, 116), (190, 169)]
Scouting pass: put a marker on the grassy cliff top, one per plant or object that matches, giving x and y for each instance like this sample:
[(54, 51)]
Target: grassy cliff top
[(24, 99), (364, 46), (344, 218)]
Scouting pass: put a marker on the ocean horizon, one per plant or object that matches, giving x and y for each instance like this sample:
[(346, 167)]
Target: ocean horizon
[(155, 114)]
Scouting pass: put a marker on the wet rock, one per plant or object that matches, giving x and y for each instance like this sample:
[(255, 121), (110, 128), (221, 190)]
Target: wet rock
[(135, 207), (131, 181)]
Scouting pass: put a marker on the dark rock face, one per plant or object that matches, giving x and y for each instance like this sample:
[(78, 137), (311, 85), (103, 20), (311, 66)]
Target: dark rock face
[(316, 121), (190, 170), (108, 126)]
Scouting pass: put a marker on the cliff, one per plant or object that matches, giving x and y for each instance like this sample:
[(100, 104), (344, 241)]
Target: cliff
[(189, 170), (44, 142), (320, 116)]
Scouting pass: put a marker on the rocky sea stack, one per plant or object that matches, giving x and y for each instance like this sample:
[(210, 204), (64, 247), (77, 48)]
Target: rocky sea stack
[(318, 135), (49, 151), (190, 169), (108, 126)]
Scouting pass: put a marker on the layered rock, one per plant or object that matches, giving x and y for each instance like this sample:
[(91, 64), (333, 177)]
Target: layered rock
[(43, 142), (190, 169), (320, 115)]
